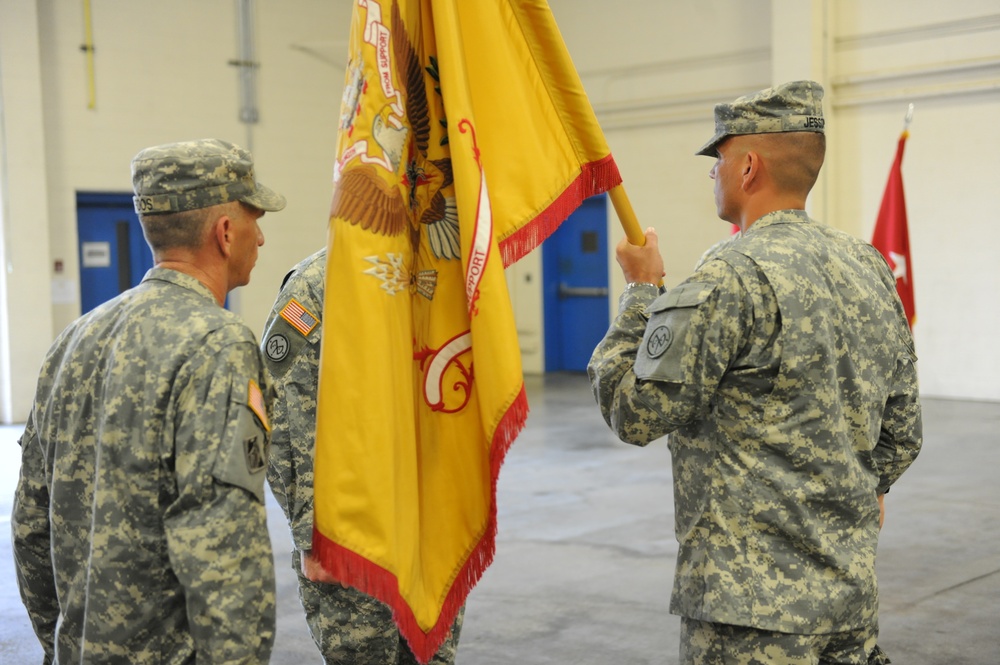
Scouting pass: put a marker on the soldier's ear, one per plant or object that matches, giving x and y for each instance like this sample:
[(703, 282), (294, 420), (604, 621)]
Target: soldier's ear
[(221, 234), (751, 169)]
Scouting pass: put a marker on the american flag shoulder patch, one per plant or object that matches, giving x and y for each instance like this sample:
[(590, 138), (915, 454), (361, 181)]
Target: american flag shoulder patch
[(255, 400), (299, 317)]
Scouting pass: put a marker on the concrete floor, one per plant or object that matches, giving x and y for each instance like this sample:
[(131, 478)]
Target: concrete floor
[(585, 552)]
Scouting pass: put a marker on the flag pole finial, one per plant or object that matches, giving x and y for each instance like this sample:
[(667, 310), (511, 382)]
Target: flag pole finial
[(909, 118)]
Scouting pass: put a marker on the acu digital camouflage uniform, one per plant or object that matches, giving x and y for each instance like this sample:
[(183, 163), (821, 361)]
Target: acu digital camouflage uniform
[(139, 526), (784, 372), (347, 625)]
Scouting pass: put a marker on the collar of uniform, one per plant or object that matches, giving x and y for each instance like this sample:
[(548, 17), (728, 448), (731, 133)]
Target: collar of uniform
[(180, 279), (779, 217)]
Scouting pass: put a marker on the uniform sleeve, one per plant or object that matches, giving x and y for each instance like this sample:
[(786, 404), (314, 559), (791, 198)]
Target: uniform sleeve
[(901, 434), (659, 366), (292, 359), (217, 537), (290, 469), (610, 366), (31, 542)]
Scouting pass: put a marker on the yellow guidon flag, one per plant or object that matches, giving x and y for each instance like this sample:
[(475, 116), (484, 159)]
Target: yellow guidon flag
[(465, 139)]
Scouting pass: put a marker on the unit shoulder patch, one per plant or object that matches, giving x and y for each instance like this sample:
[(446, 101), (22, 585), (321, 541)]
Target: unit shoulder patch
[(276, 347), (659, 341)]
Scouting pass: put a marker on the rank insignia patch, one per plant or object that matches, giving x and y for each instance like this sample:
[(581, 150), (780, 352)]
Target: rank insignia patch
[(254, 449)]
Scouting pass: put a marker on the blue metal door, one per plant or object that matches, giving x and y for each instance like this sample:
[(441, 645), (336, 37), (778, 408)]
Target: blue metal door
[(575, 294), (114, 255)]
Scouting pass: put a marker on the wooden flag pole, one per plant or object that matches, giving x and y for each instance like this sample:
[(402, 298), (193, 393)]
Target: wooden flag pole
[(626, 215)]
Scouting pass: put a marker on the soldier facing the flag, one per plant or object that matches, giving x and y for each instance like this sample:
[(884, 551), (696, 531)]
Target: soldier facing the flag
[(784, 372), (348, 626), (139, 529)]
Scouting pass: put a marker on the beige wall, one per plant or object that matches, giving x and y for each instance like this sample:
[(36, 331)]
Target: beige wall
[(25, 286), (653, 71), (945, 58), (161, 73)]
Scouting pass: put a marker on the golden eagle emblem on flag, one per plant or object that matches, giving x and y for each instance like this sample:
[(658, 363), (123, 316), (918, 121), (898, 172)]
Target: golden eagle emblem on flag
[(373, 192)]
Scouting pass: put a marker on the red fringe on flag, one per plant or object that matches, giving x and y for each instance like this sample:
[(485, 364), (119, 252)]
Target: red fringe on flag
[(379, 583), (595, 178)]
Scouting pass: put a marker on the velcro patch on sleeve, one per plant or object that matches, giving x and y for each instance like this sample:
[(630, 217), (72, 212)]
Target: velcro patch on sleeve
[(299, 317), (242, 456), (255, 400), (662, 353)]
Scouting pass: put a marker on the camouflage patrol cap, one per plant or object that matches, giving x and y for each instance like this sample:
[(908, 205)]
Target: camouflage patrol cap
[(197, 174), (796, 106)]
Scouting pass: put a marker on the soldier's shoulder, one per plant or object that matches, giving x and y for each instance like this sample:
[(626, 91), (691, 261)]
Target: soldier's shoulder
[(218, 326), (303, 289), (295, 322), (710, 253), (306, 278)]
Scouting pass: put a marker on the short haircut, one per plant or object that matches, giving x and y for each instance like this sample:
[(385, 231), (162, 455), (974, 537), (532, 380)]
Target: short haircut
[(176, 229), (794, 159)]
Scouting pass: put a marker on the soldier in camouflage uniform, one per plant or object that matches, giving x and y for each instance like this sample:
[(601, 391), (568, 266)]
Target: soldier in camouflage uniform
[(347, 625), (138, 526), (784, 372)]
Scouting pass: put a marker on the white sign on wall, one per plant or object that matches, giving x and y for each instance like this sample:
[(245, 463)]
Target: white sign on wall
[(97, 255)]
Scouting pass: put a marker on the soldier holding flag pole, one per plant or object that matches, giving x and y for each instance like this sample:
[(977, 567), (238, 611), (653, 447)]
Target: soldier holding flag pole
[(783, 371)]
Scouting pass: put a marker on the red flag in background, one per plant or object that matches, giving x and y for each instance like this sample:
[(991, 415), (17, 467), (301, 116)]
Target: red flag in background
[(891, 236)]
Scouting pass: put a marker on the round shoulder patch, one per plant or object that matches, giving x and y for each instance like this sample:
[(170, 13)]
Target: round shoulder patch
[(276, 347), (659, 341)]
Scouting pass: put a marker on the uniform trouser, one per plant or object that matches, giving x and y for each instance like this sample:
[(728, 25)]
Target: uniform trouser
[(704, 643), (351, 627)]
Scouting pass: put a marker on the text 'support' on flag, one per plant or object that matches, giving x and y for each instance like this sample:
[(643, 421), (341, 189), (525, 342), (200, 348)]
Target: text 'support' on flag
[(892, 237), (465, 138)]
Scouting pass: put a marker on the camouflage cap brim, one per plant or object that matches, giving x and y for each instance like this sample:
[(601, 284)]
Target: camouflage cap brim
[(265, 198), (708, 150)]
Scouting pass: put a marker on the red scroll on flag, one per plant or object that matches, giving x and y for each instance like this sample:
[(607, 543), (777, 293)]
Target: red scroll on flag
[(891, 236), (465, 138)]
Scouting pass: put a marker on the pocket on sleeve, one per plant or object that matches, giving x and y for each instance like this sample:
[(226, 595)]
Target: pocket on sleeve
[(661, 355), (242, 458)]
